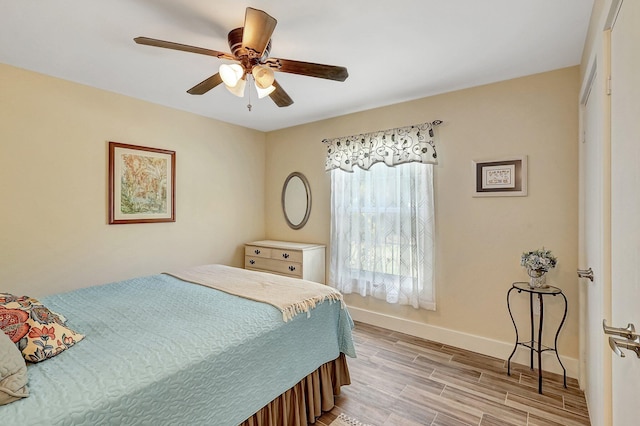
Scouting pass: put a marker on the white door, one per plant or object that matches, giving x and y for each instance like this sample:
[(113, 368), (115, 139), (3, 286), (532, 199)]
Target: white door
[(592, 190), (625, 204)]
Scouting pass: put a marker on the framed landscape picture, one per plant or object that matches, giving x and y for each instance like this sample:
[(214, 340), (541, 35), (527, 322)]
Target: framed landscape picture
[(141, 184), (501, 178)]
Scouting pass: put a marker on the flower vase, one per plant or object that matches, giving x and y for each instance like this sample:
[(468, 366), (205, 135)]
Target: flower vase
[(538, 278)]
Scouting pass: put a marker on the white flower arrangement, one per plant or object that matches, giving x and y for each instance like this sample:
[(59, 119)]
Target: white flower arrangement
[(538, 260)]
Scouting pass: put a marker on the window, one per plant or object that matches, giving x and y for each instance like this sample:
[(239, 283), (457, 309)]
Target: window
[(382, 233)]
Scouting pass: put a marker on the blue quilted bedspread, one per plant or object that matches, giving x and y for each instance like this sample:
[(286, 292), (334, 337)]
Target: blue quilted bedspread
[(160, 351)]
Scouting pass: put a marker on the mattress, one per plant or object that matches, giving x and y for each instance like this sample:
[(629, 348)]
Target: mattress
[(162, 351)]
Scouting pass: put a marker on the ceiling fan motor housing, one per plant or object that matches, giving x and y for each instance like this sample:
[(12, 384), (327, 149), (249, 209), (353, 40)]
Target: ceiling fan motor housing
[(248, 57)]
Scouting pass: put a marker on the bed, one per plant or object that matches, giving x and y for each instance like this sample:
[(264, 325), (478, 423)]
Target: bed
[(161, 350)]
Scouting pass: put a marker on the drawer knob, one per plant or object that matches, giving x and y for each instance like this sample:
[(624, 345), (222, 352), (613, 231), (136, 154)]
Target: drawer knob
[(292, 268), (256, 251), (252, 262), (285, 255)]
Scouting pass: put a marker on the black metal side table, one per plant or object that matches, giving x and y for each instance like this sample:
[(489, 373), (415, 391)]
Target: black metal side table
[(533, 344)]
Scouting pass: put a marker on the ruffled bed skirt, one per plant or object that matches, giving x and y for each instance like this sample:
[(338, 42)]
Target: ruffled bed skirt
[(307, 400)]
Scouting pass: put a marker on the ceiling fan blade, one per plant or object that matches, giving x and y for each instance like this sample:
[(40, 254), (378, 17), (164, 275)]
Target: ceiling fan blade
[(206, 85), (279, 96), (184, 47), (258, 27), (330, 72)]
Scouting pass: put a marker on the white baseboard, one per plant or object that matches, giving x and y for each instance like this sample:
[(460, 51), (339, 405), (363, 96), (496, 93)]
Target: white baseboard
[(483, 345)]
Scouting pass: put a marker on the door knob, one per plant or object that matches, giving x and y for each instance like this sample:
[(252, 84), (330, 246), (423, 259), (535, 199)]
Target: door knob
[(631, 342), (616, 344), (586, 273), (613, 344), (629, 332)]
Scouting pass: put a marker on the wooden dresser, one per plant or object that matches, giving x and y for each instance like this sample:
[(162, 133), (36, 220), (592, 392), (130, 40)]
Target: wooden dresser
[(298, 260)]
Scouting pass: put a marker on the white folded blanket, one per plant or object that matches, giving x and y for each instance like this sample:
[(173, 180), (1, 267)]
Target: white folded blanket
[(291, 295)]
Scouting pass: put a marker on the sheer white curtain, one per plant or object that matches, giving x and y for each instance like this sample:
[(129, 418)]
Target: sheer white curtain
[(382, 233), (382, 220)]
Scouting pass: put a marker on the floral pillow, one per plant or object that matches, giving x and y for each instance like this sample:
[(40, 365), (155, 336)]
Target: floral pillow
[(38, 332)]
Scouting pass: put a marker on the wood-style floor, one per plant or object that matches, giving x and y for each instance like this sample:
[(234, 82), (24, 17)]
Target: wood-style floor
[(401, 380)]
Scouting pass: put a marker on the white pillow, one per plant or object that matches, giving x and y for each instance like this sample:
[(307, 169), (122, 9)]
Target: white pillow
[(13, 372)]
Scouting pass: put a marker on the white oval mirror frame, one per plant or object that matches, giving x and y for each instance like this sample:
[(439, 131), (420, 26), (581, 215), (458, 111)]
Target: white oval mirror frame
[(296, 200)]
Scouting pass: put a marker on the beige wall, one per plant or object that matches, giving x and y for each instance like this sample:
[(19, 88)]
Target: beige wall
[(53, 139), (53, 169), (479, 240)]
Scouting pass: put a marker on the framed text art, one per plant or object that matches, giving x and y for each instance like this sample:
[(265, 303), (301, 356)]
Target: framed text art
[(501, 178), (141, 184)]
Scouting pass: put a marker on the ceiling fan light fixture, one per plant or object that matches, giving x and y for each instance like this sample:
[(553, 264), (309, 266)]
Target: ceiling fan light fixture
[(238, 89), (231, 74), (250, 47), (263, 76), (264, 92)]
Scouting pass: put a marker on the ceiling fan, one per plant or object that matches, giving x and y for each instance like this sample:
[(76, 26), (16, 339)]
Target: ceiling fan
[(250, 46)]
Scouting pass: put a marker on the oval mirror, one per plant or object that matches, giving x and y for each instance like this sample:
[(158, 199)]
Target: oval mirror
[(296, 200)]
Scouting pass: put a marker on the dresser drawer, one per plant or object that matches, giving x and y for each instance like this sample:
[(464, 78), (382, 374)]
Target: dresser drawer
[(287, 255), (293, 269), (257, 251)]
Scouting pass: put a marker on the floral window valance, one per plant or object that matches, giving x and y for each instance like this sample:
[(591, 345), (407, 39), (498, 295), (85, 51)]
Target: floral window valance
[(394, 146)]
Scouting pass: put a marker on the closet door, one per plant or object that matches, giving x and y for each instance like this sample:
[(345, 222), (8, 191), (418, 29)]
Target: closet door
[(594, 226)]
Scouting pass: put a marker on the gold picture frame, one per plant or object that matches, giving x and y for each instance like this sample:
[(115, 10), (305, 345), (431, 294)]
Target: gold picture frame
[(141, 184), (506, 177)]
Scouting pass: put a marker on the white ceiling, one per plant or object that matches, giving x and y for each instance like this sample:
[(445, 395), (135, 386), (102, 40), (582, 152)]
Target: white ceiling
[(394, 51)]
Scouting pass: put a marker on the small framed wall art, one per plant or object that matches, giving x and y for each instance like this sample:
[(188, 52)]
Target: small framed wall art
[(141, 184), (505, 177)]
